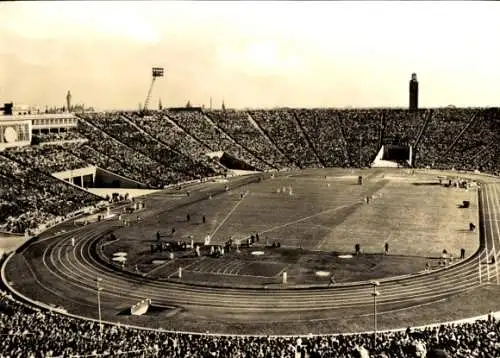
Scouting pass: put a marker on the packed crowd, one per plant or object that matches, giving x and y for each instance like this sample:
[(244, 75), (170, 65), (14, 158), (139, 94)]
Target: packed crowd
[(102, 151), (198, 125), (238, 125), (161, 127), (282, 128), (30, 332), (169, 150), (47, 158), (361, 130), (113, 155), (56, 137), (402, 127), (445, 125), (460, 138), (328, 140), (181, 167), (29, 197), (479, 145), (171, 146)]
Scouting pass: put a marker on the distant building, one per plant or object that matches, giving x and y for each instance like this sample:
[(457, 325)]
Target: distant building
[(24, 109), (413, 92), (6, 109), (19, 122)]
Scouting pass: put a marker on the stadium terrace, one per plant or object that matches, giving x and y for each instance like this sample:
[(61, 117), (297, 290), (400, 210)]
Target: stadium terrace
[(214, 212)]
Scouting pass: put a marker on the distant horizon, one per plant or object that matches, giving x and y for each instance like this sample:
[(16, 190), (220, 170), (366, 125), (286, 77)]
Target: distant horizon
[(194, 107), (251, 54), (155, 108)]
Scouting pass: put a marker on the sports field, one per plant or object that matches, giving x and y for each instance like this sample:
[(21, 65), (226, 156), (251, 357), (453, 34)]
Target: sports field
[(314, 215), (317, 227)]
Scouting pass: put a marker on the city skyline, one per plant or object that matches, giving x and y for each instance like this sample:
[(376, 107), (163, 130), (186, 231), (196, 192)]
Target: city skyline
[(250, 54)]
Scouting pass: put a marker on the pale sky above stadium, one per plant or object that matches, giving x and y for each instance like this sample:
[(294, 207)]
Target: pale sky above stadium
[(251, 54)]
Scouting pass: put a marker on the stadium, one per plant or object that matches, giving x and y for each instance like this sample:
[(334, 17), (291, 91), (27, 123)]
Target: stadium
[(196, 231), (309, 205)]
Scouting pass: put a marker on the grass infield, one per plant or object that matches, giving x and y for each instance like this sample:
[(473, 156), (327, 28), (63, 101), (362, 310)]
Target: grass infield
[(323, 217)]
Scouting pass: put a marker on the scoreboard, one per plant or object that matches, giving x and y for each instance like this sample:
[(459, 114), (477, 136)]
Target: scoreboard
[(14, 133)]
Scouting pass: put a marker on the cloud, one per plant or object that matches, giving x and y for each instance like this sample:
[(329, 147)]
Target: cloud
[(251, 53), (78, 20), (262, 58)]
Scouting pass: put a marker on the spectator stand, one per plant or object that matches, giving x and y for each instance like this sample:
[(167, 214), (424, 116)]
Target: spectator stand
[(280, 127), (199, 127), (164, 130), (236, 125)]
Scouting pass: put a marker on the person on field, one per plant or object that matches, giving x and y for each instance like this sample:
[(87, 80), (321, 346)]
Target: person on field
[(386, 248), (357, 249), (332, 280)]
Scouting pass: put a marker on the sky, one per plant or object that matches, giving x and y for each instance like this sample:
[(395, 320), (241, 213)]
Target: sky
[(250, 54)]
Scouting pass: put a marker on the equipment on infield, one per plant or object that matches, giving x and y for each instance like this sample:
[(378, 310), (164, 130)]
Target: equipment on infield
[(140, 308)]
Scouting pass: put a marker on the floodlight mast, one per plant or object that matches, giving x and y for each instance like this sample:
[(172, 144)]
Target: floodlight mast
[(156, 72)]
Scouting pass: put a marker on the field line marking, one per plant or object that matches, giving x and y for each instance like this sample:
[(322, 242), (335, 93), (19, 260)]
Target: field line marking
[(227, 274), (225, 268), (184, 268), (226, 218), (304, 218), (278, 274), (159, 267), (235, 269), (194, 262), (110, 242)]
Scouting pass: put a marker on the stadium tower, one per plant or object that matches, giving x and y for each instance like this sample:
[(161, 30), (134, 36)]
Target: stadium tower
[(68, 101), (413, 92)]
